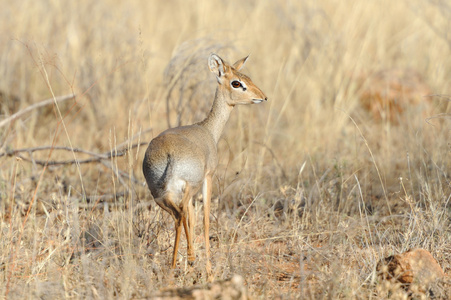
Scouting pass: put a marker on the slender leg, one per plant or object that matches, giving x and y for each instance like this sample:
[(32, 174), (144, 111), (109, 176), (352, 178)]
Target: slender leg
[(206, 195), (191, 225), (166, 203), (189, 239), (178, 229), (187, 224)]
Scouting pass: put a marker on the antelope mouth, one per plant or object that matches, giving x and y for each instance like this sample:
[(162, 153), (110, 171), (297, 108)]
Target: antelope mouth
[(257, 101)]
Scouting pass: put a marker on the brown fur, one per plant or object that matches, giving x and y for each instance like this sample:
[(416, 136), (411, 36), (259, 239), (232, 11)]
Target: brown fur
[(181, 160)]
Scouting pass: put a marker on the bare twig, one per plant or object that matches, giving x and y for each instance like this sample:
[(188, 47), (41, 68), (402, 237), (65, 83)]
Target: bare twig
[(34, 106), (60, 162), (97, 157), (41, 148)]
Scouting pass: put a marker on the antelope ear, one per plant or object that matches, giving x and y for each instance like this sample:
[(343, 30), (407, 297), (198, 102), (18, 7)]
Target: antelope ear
[(240, 64), (217, 66)]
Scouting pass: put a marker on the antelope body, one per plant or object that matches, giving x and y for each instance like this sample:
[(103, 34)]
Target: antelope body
[(181, 160)]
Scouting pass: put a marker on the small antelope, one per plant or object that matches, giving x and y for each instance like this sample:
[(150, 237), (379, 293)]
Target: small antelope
[(181, 160)]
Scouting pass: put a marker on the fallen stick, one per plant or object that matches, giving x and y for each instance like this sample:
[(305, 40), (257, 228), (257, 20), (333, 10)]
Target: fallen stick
[(97, 156), (34, 106)]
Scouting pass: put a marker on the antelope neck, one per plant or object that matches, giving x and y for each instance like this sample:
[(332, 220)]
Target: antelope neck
[(218, 116)]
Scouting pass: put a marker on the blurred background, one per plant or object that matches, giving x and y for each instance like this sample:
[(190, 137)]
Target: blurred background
[(358, 109), (331, 71)]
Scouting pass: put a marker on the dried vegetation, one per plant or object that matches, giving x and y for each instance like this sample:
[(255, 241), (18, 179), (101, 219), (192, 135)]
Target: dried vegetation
[(347, 163)]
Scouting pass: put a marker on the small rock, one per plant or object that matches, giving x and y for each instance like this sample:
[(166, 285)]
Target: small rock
[(416, 269)]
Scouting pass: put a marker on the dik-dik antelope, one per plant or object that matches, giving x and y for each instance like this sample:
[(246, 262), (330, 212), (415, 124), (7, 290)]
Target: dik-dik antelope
[(181, 160)]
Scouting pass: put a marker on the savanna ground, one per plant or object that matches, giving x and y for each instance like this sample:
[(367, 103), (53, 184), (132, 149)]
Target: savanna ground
[(311, 190)]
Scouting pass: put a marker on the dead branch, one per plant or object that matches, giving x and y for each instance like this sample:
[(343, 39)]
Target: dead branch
[(97, 156), (41, 148), (60, 162), (34, 106)]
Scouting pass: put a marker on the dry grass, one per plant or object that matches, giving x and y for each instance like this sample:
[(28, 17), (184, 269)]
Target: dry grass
[(311, 190)]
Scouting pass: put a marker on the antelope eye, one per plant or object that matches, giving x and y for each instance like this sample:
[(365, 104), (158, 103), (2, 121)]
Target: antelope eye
[(236, 84)]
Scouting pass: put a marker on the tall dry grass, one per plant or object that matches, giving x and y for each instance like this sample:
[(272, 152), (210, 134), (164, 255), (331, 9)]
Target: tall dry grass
[(311, 190)]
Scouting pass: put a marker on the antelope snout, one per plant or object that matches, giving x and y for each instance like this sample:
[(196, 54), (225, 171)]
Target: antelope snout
[(256, 101)]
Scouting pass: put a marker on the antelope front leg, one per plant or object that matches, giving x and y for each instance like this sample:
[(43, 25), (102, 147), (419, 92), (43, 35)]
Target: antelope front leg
[(191, 225), (178, 229), (206, 195), (189, 238), (188, 223)]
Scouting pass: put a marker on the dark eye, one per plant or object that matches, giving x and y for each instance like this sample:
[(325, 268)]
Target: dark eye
[(236, 84)]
